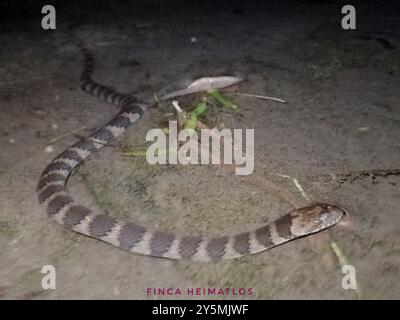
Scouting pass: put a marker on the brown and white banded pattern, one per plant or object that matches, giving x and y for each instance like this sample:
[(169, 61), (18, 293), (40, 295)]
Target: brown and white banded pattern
[(60, 206)]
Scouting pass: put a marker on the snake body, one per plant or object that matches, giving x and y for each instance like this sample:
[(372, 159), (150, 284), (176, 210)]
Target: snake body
[(60, 206)]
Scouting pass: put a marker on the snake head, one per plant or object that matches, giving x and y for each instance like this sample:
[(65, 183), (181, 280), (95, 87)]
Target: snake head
[(329, 215), (315, 218)]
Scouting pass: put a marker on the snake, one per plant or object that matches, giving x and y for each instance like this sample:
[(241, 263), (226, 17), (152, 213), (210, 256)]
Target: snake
[(60, 206)]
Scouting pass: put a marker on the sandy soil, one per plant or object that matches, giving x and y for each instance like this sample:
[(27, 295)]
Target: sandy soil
[(342, 116)]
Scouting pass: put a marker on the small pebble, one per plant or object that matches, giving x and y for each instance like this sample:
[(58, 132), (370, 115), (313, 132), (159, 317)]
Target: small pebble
[(48, 149), (57, 97), (193, 39), (54, 126), (11, 140)]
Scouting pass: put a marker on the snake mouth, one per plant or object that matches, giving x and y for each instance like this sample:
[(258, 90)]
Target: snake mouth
[(346, 212), (346, 220)]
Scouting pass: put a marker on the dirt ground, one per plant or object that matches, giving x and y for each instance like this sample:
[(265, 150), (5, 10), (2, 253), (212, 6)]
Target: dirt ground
[(338, 135)]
